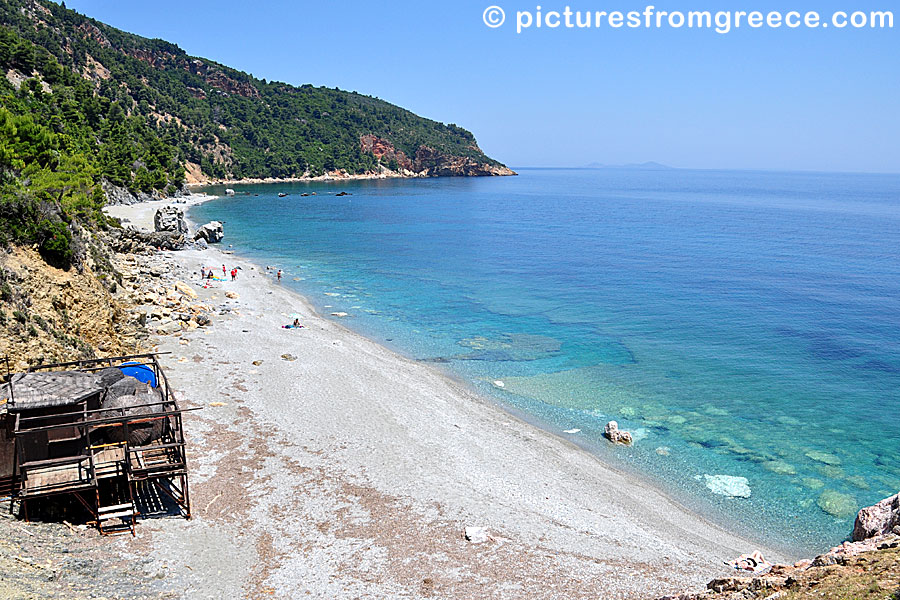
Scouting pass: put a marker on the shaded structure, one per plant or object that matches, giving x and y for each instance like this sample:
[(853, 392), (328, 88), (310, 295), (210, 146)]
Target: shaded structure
[(107, 432)]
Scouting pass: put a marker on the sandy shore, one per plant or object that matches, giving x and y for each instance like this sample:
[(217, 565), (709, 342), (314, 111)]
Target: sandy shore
[(338, 469)]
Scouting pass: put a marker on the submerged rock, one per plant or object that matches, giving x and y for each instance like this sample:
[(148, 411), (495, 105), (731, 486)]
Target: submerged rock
[(511, 347), (728, 485), (824, 457), (837, 504), (813, 483), (780, 467)]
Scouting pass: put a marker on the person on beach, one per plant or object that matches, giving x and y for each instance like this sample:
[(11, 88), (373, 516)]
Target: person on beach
[(279, 275), (224, 272), (233, 274), (296, 325), (202, 272)]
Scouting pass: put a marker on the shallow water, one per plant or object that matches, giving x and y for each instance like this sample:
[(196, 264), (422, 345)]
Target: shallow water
[(742, 324)]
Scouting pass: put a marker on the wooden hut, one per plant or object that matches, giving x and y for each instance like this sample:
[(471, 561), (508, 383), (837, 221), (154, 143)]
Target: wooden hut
[(107, 432)]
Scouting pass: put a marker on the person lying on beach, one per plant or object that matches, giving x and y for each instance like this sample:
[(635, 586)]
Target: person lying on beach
[(296, 325), (754, 563)]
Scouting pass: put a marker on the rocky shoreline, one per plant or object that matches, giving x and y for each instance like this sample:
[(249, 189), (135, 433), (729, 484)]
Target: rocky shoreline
[(866, 567), (335, 176)]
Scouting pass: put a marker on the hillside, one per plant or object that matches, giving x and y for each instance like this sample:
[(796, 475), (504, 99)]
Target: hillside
[(87, 110), (221, 122)]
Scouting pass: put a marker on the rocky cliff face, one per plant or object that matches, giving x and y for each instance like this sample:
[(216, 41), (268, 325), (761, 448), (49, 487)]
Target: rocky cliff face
[(429, 162), (50, 315)]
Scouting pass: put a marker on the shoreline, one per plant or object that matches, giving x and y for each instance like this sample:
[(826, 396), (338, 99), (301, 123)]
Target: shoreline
[(402, 447), (332, 177)]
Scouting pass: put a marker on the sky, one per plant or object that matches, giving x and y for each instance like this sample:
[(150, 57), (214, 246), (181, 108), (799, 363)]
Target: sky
[(786, 99)]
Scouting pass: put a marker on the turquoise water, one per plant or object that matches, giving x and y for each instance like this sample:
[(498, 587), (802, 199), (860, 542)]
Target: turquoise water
[(739, 323)]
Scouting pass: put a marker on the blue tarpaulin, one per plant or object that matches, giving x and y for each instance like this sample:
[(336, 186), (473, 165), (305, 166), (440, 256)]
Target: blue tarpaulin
[(140, 372)]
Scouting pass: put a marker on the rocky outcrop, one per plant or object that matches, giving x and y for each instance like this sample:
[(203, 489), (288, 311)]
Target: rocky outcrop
[(437, 164), (613, 434), (429, 162), (868, 567), (881, 519), (170, 219), (135, 241), (119, 195), (216, 77), (212, 232)]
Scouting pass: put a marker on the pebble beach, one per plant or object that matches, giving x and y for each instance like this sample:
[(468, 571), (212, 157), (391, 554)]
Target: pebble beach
[(325, 465)]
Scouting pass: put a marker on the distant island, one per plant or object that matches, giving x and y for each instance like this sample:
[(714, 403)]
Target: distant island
[(645, 166)]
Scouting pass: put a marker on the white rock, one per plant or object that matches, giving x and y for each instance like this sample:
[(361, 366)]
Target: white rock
[(728, 485), (477, 535)]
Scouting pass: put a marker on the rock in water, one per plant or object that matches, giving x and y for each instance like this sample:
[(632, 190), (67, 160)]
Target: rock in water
[(879, 519), (728, 485), (837, 504), (212, 232), (824, 457), (170, 218), (612, 433)]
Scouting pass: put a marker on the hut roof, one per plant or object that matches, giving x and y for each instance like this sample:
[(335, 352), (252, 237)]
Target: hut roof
[(49, 389)]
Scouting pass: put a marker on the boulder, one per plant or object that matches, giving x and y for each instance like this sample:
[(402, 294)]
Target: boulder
[(168, 327), (876, 520), (613, 434), (477, 535), (212, 232), (170, 218), (185, 290), (229, 192)]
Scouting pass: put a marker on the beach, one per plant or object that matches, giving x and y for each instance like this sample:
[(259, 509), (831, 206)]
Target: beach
[(324, 465)]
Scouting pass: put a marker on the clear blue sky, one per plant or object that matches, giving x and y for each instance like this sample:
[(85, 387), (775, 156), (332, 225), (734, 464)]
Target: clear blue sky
[(786, 99)]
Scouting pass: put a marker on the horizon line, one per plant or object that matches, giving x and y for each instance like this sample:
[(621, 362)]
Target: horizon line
[(666, 167)]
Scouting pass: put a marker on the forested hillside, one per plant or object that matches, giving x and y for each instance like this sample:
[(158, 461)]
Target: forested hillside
[(227, 122), (84, 104)]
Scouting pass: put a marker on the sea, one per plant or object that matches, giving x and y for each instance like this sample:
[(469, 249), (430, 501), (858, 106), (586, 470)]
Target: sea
[(743, 326)]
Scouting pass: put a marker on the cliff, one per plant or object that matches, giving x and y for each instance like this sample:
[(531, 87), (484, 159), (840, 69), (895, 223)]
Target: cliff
[(51, 315)]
